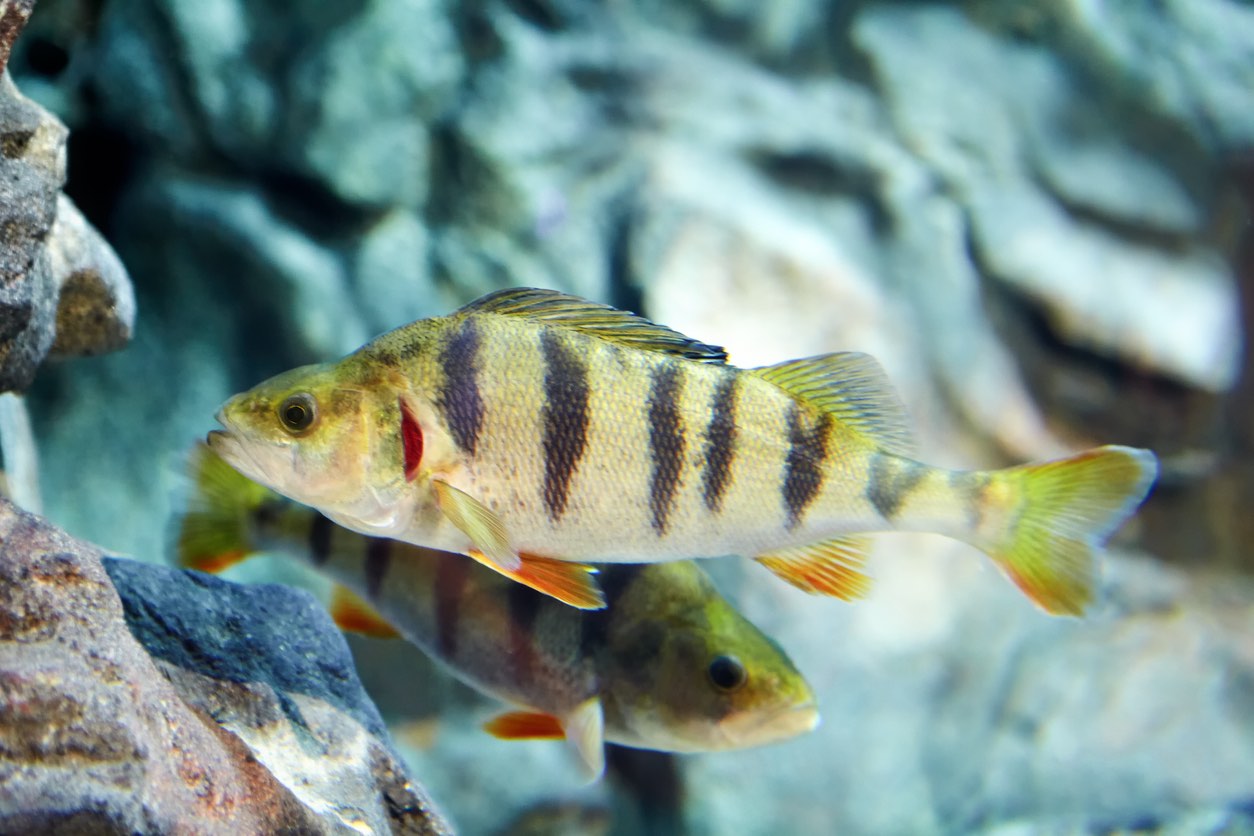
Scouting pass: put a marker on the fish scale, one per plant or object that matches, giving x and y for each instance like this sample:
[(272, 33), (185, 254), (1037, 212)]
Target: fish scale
[(537, 433)]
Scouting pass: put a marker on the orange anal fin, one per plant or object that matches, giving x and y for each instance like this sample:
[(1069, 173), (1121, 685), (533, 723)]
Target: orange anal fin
[(213, 563), (352, 614), (571, 583), (832, 567), (525, 725)]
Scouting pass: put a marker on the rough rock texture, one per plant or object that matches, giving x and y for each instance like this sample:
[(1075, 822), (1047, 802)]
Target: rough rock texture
[(62, 289), (200, 717)]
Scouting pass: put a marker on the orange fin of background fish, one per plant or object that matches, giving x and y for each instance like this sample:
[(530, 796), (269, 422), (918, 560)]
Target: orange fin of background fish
[(853, 388), (831, 567), (525, 725), (613, 324), (353, 615), (571, 583), (212, 563), (476, 521), (1069, 508), (411, 439)]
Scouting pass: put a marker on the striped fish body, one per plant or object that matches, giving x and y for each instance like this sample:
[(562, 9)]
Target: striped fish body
[(651, 669), (536, 425), (500, 637), (590, 450)]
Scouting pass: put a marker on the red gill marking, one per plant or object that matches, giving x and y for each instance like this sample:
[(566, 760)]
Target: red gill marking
[(411, 440)]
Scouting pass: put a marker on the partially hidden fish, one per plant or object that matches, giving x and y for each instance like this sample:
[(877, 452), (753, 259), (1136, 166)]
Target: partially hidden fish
[(538, 433), (670, 665)]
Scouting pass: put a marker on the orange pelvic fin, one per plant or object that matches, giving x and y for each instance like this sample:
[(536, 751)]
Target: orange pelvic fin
[(832, 567), (525, 725), (353, 615), (570, 583)]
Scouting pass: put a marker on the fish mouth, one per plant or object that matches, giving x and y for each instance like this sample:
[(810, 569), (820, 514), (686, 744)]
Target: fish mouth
[(228, 445), (753, 729)]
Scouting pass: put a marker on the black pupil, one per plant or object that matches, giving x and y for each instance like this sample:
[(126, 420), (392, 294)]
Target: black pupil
[(727, 673), (297, 412)]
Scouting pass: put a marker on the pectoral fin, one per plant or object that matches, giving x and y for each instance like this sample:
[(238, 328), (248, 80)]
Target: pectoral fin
[(583, 728), (831, 567), (476, 521), (570, 583), (351, 613)]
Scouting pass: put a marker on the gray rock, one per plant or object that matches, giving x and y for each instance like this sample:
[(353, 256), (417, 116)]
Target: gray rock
[(1185, 324), (62, 289), (32, 168), (96, 303), (342, 93), (227, 726)]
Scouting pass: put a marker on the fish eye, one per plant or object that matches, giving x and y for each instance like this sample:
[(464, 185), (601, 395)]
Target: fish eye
[(727, 673), (297, 412)]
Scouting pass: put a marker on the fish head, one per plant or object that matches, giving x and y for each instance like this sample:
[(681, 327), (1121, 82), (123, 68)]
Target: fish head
[(312, 434), (686, 672)]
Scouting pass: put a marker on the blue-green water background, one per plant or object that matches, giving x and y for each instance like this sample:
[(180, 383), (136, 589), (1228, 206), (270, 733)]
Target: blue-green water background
[(1034, 213)]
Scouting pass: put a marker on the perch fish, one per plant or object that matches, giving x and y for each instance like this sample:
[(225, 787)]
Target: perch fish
[(538, 433), (671, 665)]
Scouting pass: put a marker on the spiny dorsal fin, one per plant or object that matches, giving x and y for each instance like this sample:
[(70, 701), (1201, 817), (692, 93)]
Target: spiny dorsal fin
[(623, 327), (852, 387)]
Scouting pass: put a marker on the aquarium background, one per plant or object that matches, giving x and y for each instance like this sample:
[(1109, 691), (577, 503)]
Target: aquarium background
[(1035, 214)]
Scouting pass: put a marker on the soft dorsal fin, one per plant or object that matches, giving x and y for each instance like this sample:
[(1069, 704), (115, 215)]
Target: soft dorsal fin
[(852, 387), (623, 327)]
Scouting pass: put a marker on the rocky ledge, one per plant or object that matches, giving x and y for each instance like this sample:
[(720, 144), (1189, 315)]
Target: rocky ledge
[(137, 698)]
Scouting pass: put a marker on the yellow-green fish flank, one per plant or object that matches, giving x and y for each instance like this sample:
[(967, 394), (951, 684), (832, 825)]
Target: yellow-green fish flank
[(668, 665), (533, 425)]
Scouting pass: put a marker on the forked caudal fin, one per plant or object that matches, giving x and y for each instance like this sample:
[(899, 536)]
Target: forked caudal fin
[(1066, 511)]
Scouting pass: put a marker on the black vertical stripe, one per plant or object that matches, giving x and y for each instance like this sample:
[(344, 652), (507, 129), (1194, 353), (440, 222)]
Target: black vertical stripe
[(803, 468), (525, 605), (565, 419), (970, 485), (462, 402), (320, 539), (720, 441), (378, 558), (451, 575), (594, 625), (889, 479), (666, 442)]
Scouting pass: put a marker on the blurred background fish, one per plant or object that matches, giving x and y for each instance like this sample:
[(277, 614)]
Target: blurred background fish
[(668, 665)]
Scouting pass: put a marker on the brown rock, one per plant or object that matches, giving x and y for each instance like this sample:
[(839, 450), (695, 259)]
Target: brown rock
[(97, 736)]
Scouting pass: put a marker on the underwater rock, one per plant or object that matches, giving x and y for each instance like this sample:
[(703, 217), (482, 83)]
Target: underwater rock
[(338, 95), (1185, 324), (62, 289), (114, 721)]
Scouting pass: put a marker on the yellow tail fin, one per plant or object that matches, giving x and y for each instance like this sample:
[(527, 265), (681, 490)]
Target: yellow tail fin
[(1066, 511), (215, 532)]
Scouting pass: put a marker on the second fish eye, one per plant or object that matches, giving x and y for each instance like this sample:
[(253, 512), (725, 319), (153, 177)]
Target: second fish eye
[(297, 412), (727, 673)]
